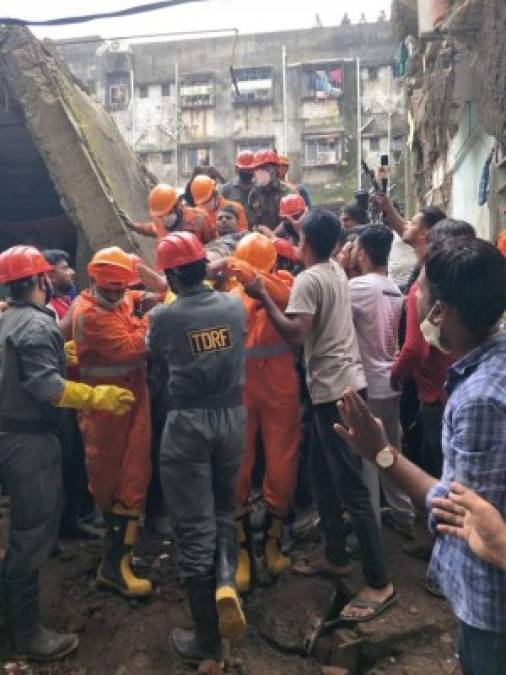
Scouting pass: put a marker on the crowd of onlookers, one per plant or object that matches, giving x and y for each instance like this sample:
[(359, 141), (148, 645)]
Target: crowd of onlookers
[(394, 345)]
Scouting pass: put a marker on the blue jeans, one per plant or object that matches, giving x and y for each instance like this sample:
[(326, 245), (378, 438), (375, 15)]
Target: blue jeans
[(482, 652)]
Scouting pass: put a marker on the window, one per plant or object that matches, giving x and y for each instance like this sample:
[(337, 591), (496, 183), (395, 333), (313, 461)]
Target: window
[(322, 82), (321, 151), (255, 145), (398, 143), (372, 73), (168, 157), (197, 91), (374, 144), (143, 91), (254, 85), (143, 156), (196, 156), (118, 90), (165, 88)]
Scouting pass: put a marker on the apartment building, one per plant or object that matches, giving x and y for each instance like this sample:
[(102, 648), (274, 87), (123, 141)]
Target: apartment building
[(184, 102)]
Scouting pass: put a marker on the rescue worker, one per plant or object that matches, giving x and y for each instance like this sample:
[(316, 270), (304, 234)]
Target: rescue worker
[(238, 188), (264, 198), (283, 168), (271, 397), (287, 256), (109, 329), (292, 209), (169, 215), (32, 389), (201, 338), (206, 197)]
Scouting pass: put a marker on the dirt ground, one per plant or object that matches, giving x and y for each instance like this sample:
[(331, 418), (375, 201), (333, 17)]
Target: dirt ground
[(119, 637)]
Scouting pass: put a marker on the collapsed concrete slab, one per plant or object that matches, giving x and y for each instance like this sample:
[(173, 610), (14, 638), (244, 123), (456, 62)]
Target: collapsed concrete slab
[(65, 171)]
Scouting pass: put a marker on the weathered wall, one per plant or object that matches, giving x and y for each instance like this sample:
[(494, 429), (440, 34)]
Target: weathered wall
[(150, 124)]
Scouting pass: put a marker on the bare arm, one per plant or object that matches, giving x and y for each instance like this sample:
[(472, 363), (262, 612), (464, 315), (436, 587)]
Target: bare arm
[(153, 282), (365, 434), (392, 216)]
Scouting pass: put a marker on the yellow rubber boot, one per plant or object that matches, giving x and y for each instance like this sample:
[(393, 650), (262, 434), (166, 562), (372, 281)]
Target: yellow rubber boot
[(115, 573), (231, 619), (275, 560), (243, 573)]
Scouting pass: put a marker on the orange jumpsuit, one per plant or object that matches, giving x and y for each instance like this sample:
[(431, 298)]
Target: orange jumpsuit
[(111, 349), (193, 219), (271, 396)]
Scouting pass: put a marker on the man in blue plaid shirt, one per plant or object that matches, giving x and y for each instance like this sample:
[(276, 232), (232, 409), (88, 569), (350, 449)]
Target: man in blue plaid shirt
[(461, 299)]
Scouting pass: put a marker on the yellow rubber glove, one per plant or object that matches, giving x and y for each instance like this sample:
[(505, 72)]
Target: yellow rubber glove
[(71, 353), (106, 397)]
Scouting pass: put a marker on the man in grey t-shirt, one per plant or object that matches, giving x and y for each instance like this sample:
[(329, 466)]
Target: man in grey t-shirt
[(319, 317)]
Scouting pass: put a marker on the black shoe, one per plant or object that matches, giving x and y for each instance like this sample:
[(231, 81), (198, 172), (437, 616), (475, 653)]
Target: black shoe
[(422, 550), (79, 530), (204, 642), (46, 645), (29, 639)]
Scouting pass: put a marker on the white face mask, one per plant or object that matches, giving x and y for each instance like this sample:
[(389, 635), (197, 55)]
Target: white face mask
[(432, 333), (262, 178)]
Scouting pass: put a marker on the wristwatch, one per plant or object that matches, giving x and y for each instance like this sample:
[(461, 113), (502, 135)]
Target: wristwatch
[(386, 458)]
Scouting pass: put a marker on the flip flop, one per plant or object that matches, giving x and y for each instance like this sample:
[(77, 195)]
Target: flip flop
[(363, 603), (304, 568)]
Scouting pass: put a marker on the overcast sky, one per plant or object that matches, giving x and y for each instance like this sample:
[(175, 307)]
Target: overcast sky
[(248, 16)]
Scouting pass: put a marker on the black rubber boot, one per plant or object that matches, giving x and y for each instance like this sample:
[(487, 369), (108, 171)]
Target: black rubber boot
[(232, 623), (29, 639), (203, 643), (115, 573)]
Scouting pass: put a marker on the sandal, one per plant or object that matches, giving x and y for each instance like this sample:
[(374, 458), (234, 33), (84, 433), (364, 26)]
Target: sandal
[(363, 603)]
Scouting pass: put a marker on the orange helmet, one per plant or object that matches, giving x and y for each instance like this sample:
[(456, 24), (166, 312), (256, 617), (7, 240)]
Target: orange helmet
[(162, 199), (244, 160), (283, 159), (501, 242), (285, 249), (263, 157), (20, 262), (291, 205), (178, 249), (257, 250), (202, 189), (111, 268)]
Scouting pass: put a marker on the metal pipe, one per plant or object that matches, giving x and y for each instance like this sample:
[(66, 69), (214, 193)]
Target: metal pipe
[(389, 112), (359, 126), (176, 122), (285, 102)]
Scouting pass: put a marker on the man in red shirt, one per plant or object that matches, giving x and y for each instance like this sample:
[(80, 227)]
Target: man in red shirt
[(75, 480), (62, 280), (417, 360)]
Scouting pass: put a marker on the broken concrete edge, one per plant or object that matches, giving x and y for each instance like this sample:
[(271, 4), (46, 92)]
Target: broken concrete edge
[(48, 96)]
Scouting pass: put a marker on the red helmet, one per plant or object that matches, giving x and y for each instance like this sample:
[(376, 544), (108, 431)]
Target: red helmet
[(291, 205), (245, 160), (178, 249), (263, 157), (21, 262), (285, 249)]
